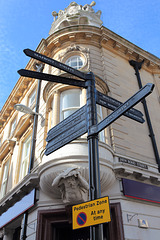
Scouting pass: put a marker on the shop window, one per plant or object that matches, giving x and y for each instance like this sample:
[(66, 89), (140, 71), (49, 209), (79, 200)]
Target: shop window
[(75, 61), (26, 145), (5, 171), (32, 99), (70, 101)]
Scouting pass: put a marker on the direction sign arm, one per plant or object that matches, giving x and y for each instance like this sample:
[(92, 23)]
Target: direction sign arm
[(113, 104), (137, 97), (55, 63), (52, 78)]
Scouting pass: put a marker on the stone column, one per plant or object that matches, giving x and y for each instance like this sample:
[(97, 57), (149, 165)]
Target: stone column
[(84, 96), (56, 108)]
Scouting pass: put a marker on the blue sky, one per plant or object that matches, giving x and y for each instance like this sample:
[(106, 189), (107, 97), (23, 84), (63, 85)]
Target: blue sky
[(23, 23)]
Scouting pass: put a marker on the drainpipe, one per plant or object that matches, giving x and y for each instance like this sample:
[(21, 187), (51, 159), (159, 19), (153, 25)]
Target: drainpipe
[(24, 226), (39, 68), (137, 66)]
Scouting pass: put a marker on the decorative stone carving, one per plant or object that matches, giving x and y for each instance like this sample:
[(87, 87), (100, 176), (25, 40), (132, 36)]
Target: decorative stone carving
[(74, 49), (76, 14), (73, 187)]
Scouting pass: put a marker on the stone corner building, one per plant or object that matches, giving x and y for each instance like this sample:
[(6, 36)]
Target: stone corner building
[(37, 205)]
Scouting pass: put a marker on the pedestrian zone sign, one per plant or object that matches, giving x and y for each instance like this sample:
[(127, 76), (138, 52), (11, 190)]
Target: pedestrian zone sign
[(91, 213)]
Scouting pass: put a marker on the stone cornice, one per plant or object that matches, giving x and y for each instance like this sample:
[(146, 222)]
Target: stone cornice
[(15, 96), (30, 182), (129, 51), (136, 169), (105, 38), (81, 34)]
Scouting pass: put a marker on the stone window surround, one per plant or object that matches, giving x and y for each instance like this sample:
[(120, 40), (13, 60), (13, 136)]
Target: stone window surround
[(6, 148), (24, 159), (76, 53), (25, 135), (32, 92), (55, 94), (11, 131), (5, 161)]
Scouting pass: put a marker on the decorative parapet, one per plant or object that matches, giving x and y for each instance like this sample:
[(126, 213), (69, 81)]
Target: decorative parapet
[(76, 14)]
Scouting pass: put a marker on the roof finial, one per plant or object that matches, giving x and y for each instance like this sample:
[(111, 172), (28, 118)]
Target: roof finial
[(54, 14)]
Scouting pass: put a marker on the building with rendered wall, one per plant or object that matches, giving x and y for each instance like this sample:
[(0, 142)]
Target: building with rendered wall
[(129, 170)]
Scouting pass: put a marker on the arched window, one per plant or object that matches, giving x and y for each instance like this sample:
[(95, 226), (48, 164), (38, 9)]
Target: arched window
[(75, 61)]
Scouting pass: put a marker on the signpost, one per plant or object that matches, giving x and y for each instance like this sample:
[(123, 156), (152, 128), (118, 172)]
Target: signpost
[(52, 78), (85, 120)]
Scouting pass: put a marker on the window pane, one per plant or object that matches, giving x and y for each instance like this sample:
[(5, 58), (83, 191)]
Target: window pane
[(4, 179), (25, 158), (13, 126), (69, 102), (75, 62), (32, 99), (68, 113), (71, 98)]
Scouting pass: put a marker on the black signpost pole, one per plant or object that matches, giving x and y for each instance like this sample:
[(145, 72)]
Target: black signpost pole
[(96, 232)]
